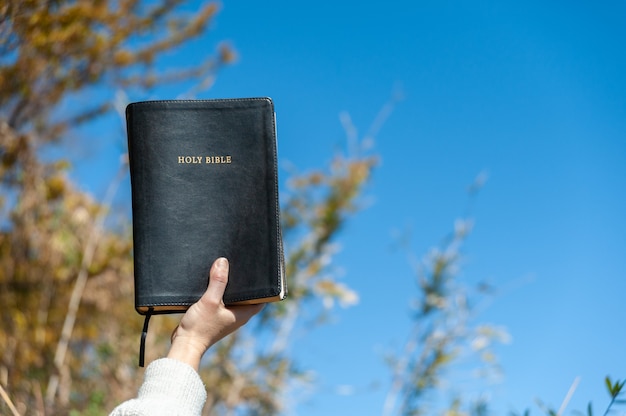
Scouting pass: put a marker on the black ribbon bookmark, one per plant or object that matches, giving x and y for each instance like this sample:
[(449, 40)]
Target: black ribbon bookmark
[(144, 334)]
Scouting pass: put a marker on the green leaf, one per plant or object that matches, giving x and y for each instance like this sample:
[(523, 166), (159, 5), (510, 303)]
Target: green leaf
[(609, 385)]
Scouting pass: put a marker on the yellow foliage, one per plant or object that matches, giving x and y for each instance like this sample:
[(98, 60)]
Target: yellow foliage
[(123, 57)]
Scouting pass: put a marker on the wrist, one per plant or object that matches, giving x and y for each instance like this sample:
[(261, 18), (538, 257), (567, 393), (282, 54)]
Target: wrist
[(186, 352)]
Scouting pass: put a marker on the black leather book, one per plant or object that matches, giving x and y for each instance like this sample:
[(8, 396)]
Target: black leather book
[(204, 185)]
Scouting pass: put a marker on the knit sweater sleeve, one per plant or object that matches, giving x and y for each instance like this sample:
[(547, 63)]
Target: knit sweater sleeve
[(170, 387)]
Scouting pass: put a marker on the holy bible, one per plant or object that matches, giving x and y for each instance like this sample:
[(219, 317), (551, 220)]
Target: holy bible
[(204, 185)]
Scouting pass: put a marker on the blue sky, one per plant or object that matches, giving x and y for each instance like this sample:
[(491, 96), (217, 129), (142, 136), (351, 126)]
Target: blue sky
[(532, 93)]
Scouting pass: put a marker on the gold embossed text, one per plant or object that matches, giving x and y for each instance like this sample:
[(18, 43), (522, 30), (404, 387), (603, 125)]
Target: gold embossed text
[(195, 160)]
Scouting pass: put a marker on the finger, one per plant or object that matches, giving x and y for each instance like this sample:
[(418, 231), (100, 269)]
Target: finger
[(246, 310), (173, 336), (218, 279)]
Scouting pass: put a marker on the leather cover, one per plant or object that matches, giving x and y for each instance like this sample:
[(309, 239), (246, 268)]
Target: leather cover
[(204, 185)]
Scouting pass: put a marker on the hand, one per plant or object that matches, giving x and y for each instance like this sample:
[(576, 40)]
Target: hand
[(208, 320)]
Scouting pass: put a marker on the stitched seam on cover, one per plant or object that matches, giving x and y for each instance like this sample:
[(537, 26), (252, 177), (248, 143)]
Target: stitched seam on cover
[(214, 100)]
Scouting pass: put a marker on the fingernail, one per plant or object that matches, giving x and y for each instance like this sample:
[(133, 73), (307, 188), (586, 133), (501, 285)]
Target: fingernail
[(222, 263)]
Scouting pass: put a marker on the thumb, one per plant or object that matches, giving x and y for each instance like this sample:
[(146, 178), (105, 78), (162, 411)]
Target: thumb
[(218, 279)]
